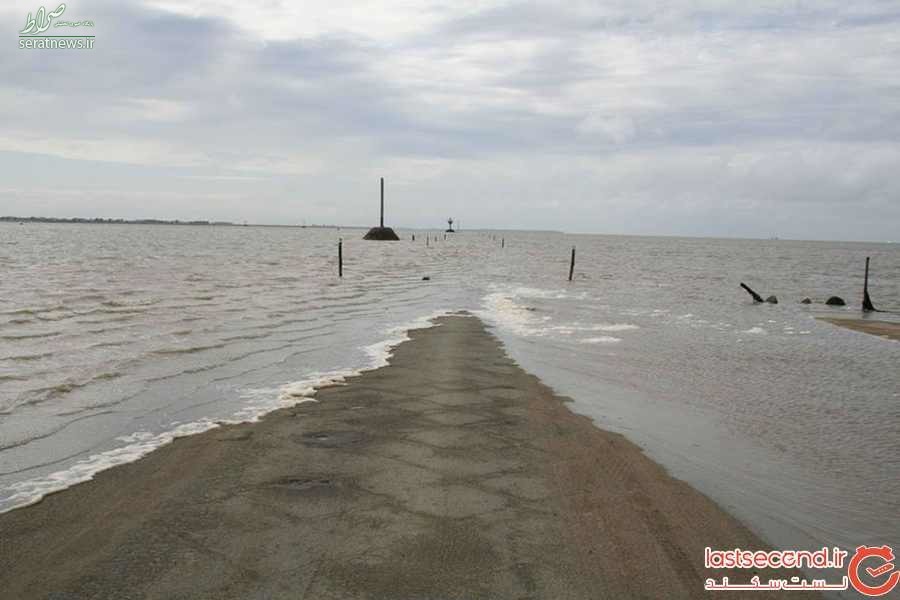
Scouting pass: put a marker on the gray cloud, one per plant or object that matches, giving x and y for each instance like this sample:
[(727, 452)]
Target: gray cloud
[(706, 118)]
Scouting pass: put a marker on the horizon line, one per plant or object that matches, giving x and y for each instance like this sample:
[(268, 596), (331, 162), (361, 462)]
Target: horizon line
[(221, 223)]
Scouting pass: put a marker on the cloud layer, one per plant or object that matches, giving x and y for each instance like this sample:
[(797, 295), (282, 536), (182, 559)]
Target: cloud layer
[(695, 118)]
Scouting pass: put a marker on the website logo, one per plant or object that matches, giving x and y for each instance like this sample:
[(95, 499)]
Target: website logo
[(34, 34), (882, 564), (870, 571)]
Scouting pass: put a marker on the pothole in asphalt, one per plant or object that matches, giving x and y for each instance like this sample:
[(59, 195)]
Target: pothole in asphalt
[(308, 485), (331, 439)]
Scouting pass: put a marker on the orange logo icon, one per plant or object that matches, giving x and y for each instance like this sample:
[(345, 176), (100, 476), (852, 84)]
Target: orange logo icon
[(875, 570)]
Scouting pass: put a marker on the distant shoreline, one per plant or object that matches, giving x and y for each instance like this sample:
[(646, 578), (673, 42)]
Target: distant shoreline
[(438, 229), (200, 223), (102, 221)]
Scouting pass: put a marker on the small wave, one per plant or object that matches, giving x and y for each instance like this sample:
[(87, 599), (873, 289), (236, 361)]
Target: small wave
[(42, 436), (502, 310), (29, 336), (89, 297), (119, 311), (603, 339), (613, 327), (106, 376), (248, 336), (36, 311), (62, 389), (28, 357), (26, 493), (104, 321), (109, 344), (63, 317), (756, 331), (262, 401), (381, 352), (529, 292), (191, 350)]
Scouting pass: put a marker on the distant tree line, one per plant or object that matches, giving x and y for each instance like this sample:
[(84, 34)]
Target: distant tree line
[(113, 221)]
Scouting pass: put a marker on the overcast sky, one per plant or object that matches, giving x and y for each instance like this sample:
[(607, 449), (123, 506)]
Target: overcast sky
[(716, 117)]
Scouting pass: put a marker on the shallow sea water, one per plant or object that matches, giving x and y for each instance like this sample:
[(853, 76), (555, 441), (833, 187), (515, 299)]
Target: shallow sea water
[(114, 339)]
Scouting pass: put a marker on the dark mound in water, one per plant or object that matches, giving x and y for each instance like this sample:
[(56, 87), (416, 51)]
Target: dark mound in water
[(835, 301), (381, 233)]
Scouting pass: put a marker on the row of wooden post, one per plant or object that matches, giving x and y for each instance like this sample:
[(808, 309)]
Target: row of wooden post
[(503, 245), (867, 305)]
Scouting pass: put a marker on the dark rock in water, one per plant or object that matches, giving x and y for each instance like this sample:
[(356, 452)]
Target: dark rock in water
[(835, 301), (426, 278), (806, 301), (772, 300), (381, 233)]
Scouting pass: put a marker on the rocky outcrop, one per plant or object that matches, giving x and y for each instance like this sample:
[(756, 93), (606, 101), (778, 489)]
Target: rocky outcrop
[(381, 233)]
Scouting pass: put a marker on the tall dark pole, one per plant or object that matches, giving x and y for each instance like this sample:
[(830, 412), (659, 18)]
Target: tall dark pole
[(867, 302), (382, 202), (572, 264), (341, 257)]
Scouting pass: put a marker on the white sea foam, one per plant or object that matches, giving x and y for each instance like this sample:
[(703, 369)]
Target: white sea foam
[(577, 327), (530, 292), (756, 331), (612, 327), (501, 308), (603, 339), (26, 493), (381, 352), (258, 402)]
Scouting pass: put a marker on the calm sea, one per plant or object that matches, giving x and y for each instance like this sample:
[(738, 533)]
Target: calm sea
[(116, 338)]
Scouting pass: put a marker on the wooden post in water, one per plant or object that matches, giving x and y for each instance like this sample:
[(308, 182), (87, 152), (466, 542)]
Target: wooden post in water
[(867, 302), (756, 297), (340, 257), (503, 242), (381, 221), (426, 240), (572, 264)]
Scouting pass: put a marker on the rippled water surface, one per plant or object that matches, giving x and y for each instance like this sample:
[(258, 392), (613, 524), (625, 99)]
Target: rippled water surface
[(115, 339)]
